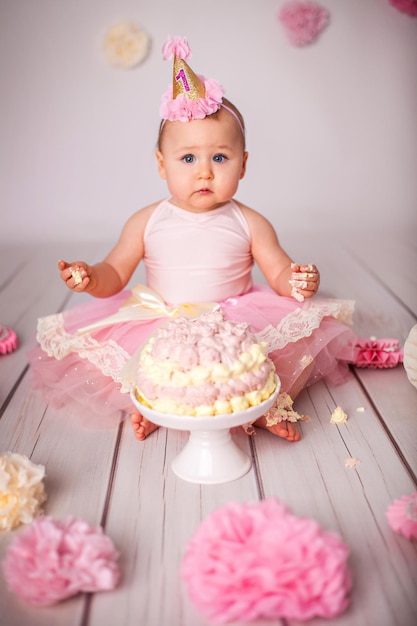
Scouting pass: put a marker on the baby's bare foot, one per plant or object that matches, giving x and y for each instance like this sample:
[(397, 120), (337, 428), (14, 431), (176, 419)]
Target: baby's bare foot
[(142, 427), (286, 430)]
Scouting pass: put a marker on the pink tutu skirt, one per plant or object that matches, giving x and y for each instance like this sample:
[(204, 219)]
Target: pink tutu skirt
[(78, 362)]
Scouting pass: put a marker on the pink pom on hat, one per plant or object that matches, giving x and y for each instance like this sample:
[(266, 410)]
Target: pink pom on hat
[(258, 560), (189, 96)]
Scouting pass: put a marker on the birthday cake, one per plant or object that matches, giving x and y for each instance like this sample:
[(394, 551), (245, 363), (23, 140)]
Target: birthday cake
[(204, 366)]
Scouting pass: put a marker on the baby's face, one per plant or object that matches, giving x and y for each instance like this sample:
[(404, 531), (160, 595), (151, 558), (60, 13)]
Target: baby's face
[(202, 161)]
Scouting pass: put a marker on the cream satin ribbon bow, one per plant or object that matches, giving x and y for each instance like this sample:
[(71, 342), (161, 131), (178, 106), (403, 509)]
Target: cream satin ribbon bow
[(146, 304)]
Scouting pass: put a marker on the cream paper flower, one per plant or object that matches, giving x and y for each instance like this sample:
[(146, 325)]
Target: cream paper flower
[(126, 45), (410, 356), (21, 490)]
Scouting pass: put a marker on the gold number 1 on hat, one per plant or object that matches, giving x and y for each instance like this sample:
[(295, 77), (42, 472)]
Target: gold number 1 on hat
[(181, 76)]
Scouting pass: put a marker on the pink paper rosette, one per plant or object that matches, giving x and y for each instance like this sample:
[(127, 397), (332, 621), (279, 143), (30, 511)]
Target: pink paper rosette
[(402, 516), (303, 21), (8, 340), (258, 560), (378, 353), (405, 6), (52, 560)]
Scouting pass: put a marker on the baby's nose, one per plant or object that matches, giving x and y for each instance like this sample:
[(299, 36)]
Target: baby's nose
[(206, 171)]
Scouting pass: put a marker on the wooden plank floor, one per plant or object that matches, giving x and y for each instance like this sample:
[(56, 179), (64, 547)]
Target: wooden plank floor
[(108, 478)]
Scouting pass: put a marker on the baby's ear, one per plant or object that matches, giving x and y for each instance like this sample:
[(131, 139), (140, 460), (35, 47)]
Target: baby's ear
[(245, 158), (161, 166)]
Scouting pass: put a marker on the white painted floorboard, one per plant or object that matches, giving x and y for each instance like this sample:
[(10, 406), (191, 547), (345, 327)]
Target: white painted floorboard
[(108, 478)]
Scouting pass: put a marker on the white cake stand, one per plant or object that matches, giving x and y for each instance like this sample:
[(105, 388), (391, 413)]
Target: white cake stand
[(210, 455)]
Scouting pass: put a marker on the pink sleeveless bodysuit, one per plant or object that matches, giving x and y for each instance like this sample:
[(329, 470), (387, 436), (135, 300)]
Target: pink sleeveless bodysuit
[(189, 258), (195, 257)]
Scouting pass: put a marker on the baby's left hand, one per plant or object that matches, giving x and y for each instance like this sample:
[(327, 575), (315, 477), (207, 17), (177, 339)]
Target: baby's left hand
[(305, 281)]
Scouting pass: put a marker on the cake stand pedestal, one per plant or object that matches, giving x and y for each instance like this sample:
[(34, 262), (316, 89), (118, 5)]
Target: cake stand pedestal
[(210, 455)]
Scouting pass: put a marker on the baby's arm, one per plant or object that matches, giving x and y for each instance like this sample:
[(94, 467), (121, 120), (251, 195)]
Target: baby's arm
[(284, 276), (111, 275)]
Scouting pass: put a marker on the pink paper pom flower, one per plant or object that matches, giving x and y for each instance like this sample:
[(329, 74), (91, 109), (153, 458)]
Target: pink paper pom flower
[(52, 560), (22, 492), (402, 516), (406, 6), (303, 21), (378, 353), (258, 560)]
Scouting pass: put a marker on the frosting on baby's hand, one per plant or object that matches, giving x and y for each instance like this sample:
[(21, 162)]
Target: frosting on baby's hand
[(76, 274), (300, 277), (296, 294), (295, 283)]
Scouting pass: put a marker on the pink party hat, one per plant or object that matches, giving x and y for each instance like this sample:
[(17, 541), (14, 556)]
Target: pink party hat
[(190, 96)]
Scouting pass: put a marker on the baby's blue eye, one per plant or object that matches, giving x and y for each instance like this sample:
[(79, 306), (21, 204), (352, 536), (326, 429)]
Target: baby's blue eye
[(219, 158), (188, 158)]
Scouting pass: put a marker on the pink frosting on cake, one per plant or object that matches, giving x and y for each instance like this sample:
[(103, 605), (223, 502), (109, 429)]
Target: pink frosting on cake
[(191, 365)]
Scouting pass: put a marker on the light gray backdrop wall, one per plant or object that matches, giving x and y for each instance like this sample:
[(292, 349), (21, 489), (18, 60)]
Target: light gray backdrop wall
[(332, 127)]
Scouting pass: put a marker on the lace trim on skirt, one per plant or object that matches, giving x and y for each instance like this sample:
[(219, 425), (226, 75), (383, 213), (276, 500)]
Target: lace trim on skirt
[(108, 357), (303, 321)]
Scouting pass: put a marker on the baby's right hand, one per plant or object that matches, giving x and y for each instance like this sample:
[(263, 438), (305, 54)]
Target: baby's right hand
[(305, 280), (75, 275)]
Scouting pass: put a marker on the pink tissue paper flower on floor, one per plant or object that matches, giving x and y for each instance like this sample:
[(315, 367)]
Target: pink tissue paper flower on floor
[(52, 560), (406, 6), (402, 516), (378, 353), (303, 21), (257, 560)]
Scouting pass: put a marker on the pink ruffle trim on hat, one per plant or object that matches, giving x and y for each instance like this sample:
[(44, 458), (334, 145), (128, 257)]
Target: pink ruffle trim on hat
[(183, 109)]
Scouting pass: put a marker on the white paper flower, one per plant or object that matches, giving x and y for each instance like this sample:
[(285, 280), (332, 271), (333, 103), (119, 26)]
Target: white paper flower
[(410, 356), (126, 45), (21, 490)]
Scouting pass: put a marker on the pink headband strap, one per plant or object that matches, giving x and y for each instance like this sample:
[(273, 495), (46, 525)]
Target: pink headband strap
[(224, 106)]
